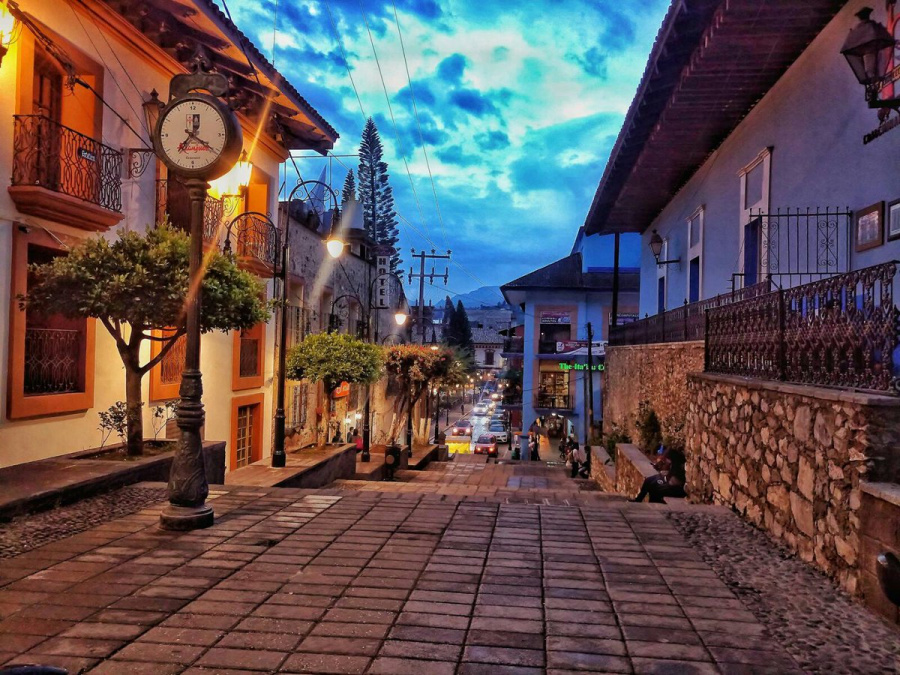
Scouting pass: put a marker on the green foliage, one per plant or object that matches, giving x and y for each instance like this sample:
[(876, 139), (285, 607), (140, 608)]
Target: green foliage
[(162, 415), (375, 193), (412, 369), (458, 369), (333, 358), (459, 331), (113, 420), (448, 312), (648, 428), (614, 436), (142, 280), (349, 191)]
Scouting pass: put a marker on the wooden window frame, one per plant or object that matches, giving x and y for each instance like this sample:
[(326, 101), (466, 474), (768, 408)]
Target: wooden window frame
[(257, 401), (159, 390), (20, 406), (239, 383)]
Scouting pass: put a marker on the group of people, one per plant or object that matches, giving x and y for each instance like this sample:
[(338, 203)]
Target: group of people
[(353, 436), (669, 482), (575, 457)]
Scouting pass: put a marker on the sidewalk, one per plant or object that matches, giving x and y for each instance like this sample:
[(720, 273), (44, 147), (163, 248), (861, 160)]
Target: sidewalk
[(300, 582)]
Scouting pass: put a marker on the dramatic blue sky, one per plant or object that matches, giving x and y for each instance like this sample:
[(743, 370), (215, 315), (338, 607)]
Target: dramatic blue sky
[(519, 103)]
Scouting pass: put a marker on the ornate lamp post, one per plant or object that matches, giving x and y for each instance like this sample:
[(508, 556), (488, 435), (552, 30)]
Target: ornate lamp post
[(656, 246), (369, 307), (199, 138)]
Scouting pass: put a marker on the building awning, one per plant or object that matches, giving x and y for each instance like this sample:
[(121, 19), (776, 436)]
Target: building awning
[(713, 60)]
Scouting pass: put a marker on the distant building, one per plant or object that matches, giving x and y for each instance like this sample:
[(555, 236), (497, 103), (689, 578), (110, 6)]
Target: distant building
[(559, 300)]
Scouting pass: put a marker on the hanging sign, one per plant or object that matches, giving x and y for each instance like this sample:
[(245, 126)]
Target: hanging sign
[(341, 391)]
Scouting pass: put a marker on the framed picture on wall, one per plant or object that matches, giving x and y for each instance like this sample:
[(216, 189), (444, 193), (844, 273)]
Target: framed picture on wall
[(869, 229), (893, 218)]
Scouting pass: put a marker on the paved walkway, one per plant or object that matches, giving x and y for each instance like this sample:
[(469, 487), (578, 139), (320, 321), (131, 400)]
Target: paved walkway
[(328, 581), (297, 462)]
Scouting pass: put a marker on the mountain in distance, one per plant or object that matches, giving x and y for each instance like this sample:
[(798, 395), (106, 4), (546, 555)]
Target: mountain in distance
[(486, 296)]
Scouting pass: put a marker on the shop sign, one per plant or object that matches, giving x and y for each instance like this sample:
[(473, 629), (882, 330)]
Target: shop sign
[(342, 390), (563, 346), (581, 366), (555, 318)]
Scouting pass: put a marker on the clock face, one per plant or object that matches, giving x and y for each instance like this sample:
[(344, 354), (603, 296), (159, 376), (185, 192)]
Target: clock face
[(192, 134)]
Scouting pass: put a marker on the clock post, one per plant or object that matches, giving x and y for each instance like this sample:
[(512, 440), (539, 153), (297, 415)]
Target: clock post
[(198, 138)]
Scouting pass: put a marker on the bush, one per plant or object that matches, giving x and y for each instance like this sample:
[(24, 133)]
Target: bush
[(648, 428), (614, 436)]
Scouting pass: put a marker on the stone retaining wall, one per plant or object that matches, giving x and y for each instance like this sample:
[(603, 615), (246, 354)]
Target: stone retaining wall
[(790, 459), (603, 468), (632, 469), (654, 373)]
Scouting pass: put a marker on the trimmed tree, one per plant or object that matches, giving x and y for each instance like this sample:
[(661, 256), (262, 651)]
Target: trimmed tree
[(412, 370), (136, 285), (375, 193), (349, 191), (332, 358)]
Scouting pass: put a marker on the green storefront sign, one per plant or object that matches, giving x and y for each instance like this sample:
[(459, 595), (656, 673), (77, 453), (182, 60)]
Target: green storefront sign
[(581, 366)]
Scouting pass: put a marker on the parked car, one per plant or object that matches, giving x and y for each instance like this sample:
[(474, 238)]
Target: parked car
[(480, 409), (500, 416), (499, 432), (462, 428), (486, 445)]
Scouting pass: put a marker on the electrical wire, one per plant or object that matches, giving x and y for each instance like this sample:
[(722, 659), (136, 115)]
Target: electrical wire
[(419, 125), (340, 44), (387, 99)]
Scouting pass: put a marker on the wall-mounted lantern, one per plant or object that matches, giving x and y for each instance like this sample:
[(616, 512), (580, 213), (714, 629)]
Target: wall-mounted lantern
[(7, 27), (868, 49), (656, 246)]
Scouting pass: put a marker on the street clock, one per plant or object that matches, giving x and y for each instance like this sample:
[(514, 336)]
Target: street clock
[(197, 135)]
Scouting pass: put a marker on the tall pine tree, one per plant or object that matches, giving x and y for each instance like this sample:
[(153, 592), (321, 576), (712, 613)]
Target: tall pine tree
[(349, 191), (448, 313), (375, 194), (459, 331)]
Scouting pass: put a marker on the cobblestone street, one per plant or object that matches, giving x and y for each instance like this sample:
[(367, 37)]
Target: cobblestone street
[(337, 581)]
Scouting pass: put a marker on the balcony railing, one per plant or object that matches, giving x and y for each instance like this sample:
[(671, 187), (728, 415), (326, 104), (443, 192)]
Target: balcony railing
[(553, 401), (681, 324), (52, 359), (841, 332), (49, 155), (176, 208), (514, 345)]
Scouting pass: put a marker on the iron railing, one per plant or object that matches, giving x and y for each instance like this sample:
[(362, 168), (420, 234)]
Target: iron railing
[(257, 238), (514, 345), (298, 324), (841, 331), (52, 360), (681, 324), (176, 208), (550, 400), (55, 157)]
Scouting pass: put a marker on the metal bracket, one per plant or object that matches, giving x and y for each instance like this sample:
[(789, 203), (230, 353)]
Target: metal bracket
[(138, 161)]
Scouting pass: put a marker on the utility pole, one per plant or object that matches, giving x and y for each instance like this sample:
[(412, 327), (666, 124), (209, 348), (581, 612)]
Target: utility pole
[(421, 276), (590, 365)]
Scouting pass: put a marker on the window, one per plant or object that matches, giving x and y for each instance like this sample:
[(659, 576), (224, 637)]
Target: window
[(662, 274), (553, 391), (246, 431), (248, 358), (488, 357), (555, 326), (51, 358), (695, 256), (165, 377), (755, 183), (299, 402)]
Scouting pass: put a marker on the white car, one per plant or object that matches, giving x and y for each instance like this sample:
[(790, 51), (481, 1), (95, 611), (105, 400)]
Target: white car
[(480, 409), (498, 431)]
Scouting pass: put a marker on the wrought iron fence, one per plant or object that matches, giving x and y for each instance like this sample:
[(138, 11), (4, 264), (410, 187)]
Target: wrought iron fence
[(173, 205), (681, 324), (256, 237), (55, 157), (841, 331), (52, 359), (514, 345), (554, 401)]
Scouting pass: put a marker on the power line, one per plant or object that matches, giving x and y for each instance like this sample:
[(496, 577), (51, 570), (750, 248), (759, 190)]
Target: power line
[(337, 38), (418, 124), (387, 98)]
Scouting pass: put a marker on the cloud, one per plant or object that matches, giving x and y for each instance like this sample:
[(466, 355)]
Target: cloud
[(518, 105)]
